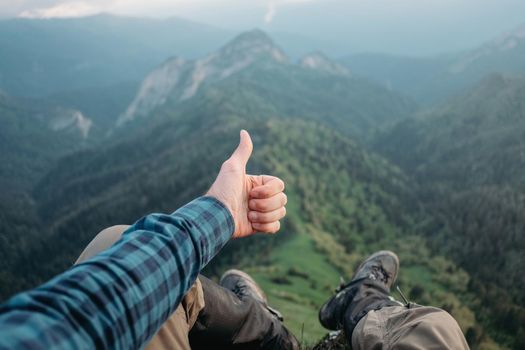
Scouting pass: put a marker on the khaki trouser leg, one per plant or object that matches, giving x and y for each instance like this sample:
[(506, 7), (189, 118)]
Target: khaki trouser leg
[(399, 327), (174, 332)]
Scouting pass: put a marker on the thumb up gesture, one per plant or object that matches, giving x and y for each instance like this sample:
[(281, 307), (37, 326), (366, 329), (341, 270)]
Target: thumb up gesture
[(255, 202)]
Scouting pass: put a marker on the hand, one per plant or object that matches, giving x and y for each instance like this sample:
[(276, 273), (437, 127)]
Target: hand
[(255, 202)]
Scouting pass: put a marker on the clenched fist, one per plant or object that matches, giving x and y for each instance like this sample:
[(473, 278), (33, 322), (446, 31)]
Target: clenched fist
[(257, 203)]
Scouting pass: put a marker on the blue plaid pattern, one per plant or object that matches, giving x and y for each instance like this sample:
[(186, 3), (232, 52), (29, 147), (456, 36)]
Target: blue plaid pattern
[(121, 297)]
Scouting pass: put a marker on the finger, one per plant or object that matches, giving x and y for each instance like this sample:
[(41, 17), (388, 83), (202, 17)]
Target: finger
[(267, 228), (268, 204), (264, 218), (271, 187), (243, 152)]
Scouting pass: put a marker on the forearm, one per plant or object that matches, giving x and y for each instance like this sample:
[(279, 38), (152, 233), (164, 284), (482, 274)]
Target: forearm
[(121, 297)]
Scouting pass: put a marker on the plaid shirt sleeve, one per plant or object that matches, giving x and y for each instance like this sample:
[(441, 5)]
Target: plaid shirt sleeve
[(121, 297)]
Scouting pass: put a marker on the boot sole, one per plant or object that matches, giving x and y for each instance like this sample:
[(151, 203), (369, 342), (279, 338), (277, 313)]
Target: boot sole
[(245, 276), (376, 254)]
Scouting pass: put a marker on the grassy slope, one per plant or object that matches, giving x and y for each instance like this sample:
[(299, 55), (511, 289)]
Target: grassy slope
[(300, 300)]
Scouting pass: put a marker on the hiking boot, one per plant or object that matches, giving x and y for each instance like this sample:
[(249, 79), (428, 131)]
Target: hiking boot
[(380, 268), (243, 285)]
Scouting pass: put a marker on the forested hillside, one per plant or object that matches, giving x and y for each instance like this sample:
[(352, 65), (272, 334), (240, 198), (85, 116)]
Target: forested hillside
[(33, 136), (469, 158)]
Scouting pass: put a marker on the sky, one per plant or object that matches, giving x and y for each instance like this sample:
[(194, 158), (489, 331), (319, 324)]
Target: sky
[(410, 27)]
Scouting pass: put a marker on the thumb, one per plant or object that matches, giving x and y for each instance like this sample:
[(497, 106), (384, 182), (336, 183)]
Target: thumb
[(244, 150)]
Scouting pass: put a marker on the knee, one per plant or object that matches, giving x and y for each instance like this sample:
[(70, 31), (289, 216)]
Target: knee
[(439, 327), (102, 241)]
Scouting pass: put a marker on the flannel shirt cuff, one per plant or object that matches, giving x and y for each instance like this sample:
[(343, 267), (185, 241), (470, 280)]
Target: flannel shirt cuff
[(213, 218)]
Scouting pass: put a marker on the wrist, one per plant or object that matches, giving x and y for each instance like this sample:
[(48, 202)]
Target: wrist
[(224, 204)]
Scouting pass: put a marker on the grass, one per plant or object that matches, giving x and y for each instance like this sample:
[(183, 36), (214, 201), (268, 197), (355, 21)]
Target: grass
[(300, 299)]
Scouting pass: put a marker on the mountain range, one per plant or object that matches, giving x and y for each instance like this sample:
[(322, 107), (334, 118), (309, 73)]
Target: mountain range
[(315, 87), (366, 168), (43, 57), (432, 80)]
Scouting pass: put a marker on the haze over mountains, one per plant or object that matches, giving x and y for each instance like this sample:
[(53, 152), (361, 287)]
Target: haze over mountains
[(371, 159), (42, 57), (434, 79)]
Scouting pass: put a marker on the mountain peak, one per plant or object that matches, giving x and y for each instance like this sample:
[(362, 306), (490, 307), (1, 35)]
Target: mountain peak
[(178, 80), (520, 31), (254, 35), (319, 61), (509, 42), (253, 43), (517, 33)]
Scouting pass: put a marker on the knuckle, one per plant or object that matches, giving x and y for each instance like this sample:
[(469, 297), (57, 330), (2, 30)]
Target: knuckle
[(258, 205), (229, 165), (261, 205), (225, 165)]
